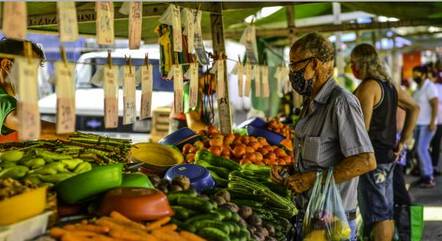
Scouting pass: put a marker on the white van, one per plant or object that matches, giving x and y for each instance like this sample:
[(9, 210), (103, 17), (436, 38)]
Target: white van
[(90, 94)]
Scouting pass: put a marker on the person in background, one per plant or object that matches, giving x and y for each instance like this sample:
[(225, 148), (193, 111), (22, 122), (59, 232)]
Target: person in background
[(436, 142), (427, 98), (9, 122), (330, 132), (198, 118), (380, 99)]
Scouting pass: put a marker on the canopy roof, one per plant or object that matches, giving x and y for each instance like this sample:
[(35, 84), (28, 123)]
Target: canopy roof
[(42, 17)]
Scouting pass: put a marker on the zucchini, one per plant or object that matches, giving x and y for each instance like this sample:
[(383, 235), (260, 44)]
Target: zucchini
[(195, 203), (181, 212), (219, 181), (234, 226), (226, 214), (250, 203), (213, 234), (209, 216), (220, 171), (173, 196), (216, 161), (235, 217), (212, 224)]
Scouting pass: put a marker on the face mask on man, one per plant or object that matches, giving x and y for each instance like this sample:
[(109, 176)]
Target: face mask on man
[(300, 84)]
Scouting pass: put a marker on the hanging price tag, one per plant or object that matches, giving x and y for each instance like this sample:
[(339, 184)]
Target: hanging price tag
[(265, 81), (67, 21), (27, 106), (105, 22), (135, 21), (146, 91), (257, 77), (248, 83), (200, 51), (178, 88), (15, 19), (286, 85), (220, 81), (65, 88), (129, 110), (240, 74), (176, 27), (110, 86), (193, 72), (189, 28)]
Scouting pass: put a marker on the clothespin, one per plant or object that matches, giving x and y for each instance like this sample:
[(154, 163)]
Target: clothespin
[(27, 47), (109, 59), (129, 62), (239, 59), (146, 61), (253, 21), (63, 55)]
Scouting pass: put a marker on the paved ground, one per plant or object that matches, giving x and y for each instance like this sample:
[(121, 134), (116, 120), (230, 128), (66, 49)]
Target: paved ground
[(432, 200)]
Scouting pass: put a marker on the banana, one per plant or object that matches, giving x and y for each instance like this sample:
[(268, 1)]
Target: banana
[(156, 154)]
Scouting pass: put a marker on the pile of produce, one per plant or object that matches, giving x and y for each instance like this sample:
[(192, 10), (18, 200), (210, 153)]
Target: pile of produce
[(277, 126), (119, 228), (54, 161), (10, 187), (244, 149), (88, 147), (39, 165)]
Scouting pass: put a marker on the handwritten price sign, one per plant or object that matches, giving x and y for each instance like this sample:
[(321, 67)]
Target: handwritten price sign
[(65, 88), (15, 19), (146, 91), (135, 21), (27, 107), (129, 111), (67, 21), (105, 22), (110, 86)]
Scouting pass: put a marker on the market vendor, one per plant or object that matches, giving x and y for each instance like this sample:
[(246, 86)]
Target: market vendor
[(202, 115), (331, 130), (8, 115)]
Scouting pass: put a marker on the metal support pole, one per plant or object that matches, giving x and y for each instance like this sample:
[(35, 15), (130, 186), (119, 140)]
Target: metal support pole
[(340, 64), (216, 20)]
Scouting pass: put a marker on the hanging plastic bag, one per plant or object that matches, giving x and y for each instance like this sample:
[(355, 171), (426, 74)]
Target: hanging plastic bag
[(325, 218)]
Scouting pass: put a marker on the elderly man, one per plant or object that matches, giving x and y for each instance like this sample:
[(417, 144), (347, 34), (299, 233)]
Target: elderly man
[(331, 130)]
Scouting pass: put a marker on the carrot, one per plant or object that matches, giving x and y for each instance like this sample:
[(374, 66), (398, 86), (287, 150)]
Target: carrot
[(118, 216), (168, 227), (126, 235), (87, 227), (190, 236), (158, 223), (57, 232), (167, 235)]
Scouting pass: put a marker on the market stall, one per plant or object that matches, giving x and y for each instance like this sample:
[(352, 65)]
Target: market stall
[(213, 184)]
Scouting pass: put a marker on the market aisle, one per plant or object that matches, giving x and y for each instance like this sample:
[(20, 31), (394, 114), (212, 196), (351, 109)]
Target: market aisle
[(432, 200)]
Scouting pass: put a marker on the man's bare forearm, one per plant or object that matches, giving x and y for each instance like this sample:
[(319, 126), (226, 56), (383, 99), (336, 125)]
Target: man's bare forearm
[(354, 166)]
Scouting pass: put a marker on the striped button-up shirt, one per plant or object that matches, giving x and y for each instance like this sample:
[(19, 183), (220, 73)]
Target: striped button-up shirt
[(331, 129)]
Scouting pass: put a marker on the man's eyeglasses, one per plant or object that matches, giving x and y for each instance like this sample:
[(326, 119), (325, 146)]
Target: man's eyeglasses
[(293, 64)]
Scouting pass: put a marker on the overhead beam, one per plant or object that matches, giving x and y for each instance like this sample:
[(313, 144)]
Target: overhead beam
[(284, 32), (86, 14)]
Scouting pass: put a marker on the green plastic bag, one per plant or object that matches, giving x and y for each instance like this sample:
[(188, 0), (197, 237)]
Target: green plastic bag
[(417, 221)]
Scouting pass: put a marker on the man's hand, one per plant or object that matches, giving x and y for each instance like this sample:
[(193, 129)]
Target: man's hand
[(432, 127), (301, 182), (276, 175)]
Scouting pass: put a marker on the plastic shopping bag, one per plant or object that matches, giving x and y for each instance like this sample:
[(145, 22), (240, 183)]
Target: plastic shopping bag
[(325, 218)]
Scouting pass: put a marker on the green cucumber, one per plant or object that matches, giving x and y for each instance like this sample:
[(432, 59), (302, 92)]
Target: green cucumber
[(195, 203), (181, 212), (216, 161), (209, 216), (213, 224), (227, 214), (173, 196), (213, 234)]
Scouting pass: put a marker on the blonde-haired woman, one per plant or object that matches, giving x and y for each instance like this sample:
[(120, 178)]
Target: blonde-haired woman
[(379, 99)]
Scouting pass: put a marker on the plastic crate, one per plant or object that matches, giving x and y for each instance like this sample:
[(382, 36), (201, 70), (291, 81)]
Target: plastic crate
[(26, 229)]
